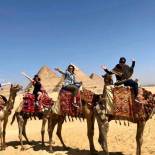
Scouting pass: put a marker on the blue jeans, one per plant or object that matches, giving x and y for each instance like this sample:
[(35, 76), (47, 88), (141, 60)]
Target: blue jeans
[(133, 85)]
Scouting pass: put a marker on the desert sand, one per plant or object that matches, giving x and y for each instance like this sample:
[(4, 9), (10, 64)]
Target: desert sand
[(121, 138)]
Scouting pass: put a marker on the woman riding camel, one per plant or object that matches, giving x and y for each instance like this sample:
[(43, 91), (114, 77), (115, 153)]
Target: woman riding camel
[(123, 74), (70, 82), (38, 88)]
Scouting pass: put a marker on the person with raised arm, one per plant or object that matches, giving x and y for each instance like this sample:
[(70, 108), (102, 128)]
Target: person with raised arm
[(69, 82)]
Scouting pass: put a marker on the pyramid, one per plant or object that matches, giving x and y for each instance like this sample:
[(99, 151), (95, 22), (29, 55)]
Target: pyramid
[(49, 79), (89, 83), (97, 78)]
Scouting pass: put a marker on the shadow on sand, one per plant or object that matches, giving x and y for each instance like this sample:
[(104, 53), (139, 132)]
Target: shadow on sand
[(37, 146)]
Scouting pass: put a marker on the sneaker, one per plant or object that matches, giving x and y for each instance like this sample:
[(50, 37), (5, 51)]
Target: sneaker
[(75, 105), (37, 103), (137, 101)]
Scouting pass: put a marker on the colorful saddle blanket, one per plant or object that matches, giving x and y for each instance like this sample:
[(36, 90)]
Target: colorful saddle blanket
[(120, 103), (88, 97), (66, 103), (123, 100), (29, 103)]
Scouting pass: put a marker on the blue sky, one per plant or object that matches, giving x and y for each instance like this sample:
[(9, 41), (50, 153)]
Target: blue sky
[(87, 33)]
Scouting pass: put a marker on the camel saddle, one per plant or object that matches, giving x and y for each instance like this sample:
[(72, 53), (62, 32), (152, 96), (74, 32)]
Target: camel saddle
[(29, 103), (120, 102), (66, 103)]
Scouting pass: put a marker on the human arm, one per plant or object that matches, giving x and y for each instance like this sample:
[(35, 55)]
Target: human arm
[(60, 71), (105, 69), (133, 64), (28, 77)]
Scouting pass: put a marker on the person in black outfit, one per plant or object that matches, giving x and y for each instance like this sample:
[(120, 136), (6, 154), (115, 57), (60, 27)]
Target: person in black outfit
[(123, 74), (37, 88)]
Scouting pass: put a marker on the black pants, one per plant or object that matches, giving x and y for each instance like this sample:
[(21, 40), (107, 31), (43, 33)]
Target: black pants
[(132, 84)]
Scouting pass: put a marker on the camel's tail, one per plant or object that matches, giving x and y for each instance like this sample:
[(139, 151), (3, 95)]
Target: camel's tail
[(13, 118)]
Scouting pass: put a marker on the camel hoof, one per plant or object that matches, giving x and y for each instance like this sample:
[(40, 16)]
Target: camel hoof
[(3, 148), (22, 149), (93, 152), (43, 144), (53, 142), (66, 148), (51, 150)]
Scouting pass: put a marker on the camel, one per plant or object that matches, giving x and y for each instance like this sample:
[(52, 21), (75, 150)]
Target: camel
[(22, 122), (103, 123), (88, 114), (6, 111)]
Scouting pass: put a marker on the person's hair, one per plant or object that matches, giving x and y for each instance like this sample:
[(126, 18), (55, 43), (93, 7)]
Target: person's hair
[(122, 60), (36, 76), (71, 66)]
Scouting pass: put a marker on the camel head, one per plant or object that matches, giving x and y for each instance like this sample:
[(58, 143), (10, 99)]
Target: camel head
[(15, 88), (108, 79)]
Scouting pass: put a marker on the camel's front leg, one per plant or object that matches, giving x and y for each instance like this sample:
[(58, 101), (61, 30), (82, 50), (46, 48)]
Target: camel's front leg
[(20, 126), (103, 126), (52, 121), (1, 134), (59, 129), (24, 130), (139, 136), (43, 130), (90, 130), (4, 133)]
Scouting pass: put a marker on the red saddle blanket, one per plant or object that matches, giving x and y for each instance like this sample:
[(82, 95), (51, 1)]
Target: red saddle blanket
[(29, 103), (66, 103), (87, 96), (125, 105)]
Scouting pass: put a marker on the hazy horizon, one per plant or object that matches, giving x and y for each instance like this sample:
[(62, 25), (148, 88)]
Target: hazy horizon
[(87, 33)]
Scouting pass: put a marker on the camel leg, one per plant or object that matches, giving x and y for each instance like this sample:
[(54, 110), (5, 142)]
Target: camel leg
[(20, 126), (59, 129), (43, 130), (52, 121), (103, 126), (90, 131), (1, 133), (139, 136), (4, 133), (24, 131)]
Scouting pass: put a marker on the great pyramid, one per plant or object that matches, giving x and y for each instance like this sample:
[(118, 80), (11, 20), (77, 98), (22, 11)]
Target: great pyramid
[(49, 79)]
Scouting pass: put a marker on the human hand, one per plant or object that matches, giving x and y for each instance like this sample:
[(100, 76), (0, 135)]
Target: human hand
[(103, 67), (80, 82), (133, 59), (57, 69)]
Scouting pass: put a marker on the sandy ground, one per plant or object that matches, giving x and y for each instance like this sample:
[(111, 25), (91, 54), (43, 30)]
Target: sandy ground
[(121, 138)]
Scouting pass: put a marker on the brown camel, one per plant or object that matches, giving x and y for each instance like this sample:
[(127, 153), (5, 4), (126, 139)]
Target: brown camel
[(103, 123), (6, 111), (22, 122), (87, 113)]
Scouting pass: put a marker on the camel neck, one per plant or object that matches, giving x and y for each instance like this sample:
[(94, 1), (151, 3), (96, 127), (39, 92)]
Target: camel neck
[(11, 101)]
